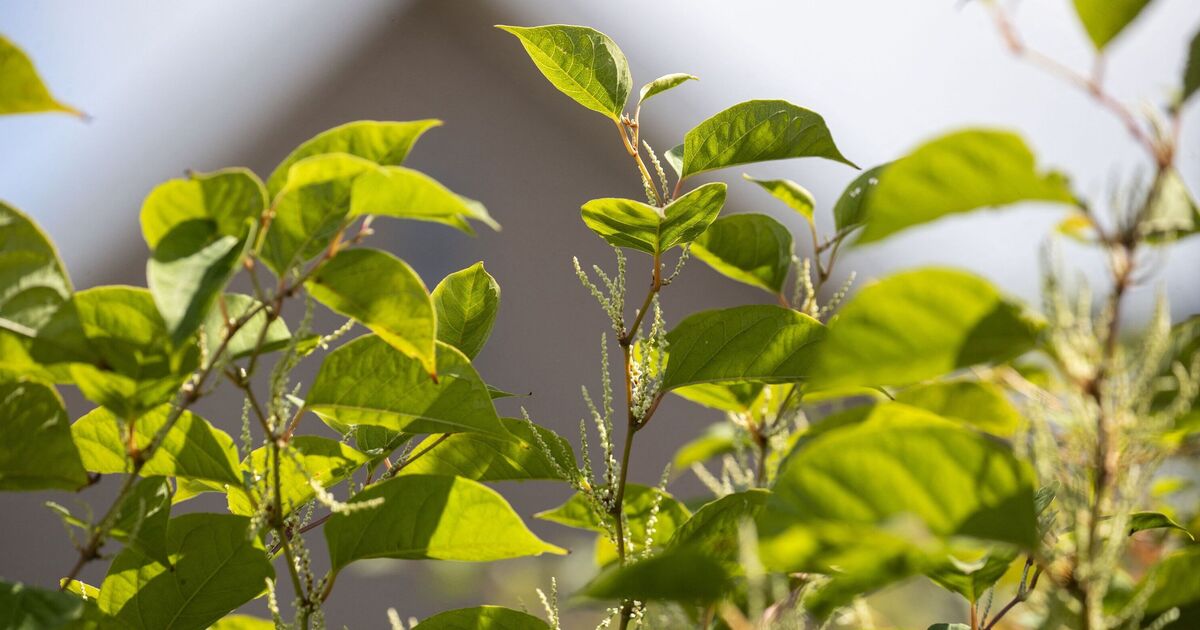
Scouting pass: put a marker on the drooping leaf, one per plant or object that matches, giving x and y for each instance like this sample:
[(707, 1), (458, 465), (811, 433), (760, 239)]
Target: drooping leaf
[(581, 62), (1141, 521), (955, 173), (919, 324), (324, 461), (431, 516), (760, 343), (191, 449), (901, 465), (1191, 73), (982, 405), (850, 210), (717, 439), (216, 566), (757, 131), (230, 199), (246, 339), (384, 143), (188, 271), (118, 349), (21, 88), (395, 191), (482, 618), (646, 228), (750, 248), (30, 608), (1105, 19), (37, 452), (639, 502), (793, 195), (713, 529), (33, 280), (682, 575), (662, 84), (384, 294), (483, 457), (367, 381), (466, 302)]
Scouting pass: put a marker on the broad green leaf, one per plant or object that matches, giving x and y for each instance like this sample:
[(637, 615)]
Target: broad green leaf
[(760, 343), (395, 191), (646, 228), (246, 339), (723, 396), (1191, 74), (243, 622), (920, 324), (191, 449), (1175, 581), (231, 199), (955, 173), (581, 62), (981, 405), (118, 349), (30, 608), (973, 579), (384, 143), (662, 84), (384, 294), (713, 529), (850, 210), (793, 195), (717, 439), (33, 280), (757, 131), (141, 521), (1105, 19), (750, 248), (21, 88), (1141, 521), (482, 618), (216, 566), (483, 457), (578, 512), (431, 516), (190, 267), (75, 587), (682, 575), (466, 303), (37, 452), (903, 465), (309, 457), (310, 208), (1172, 211), (367, 381)]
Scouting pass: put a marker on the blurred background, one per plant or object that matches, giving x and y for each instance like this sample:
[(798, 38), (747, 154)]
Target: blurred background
[(177, 86)]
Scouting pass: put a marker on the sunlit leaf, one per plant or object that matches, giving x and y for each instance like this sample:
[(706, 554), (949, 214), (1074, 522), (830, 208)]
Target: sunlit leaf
[(483, 457), (662, 84), (230, 199), (482, 618), (850, 210), (1105, 19), (247, 338), (399, 192), (309, 457), (646, 228), (681, 575), (713, 529), (384, 143), (982, 405), (190, 267), (21, 89), (639, 503), (33, 280), (466, 302), (581, 62), (37, 451), (750, 248), (30, 608), (1141, 521), (793, 195), (717, 439)]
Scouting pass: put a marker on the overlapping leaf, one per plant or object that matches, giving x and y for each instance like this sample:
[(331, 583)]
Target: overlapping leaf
[(750, 248), (646, 228)]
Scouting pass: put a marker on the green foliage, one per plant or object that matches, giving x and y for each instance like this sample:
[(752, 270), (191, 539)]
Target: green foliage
[(485, 457), (1105, 19), (37, 451), (483, 618), (652, 517), (466, 302), (683, 575), (750, 248), (790, 193), (35, 280), (29, 608), (982, 405), (662, 84), (22, 90), (312, 460), (582, 63), (1141, 521), (1191, 72), (653, 230), (713, 529)]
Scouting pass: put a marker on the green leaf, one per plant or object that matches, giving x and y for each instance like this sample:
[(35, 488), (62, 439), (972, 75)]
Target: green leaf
[(713, 529), (973, 579), (37, 451), (466, 303), (681, 575), (723, 396), (325, 461), (187, 272), (1175, 581), (384, 143), (430, 516), (750, 248), (402, 193), (793, 195), (646, 228), (482, 618), (1191, 74), (21, 89), (230, 198), (581, 62), (118, 349), (920, 324), (578, 512), (243, 622), (367, 381), (982, 405), (1141, 521), (141, 522), (955, 173), (903, 464), (216, 566), (1172, 211), (33, 280), (1105, 19), (717, 439), (246, 339), (482, 457), (191, 449), (662, 84), (850, 211), (757, 131), (384, 294), (760, 343), (29, 608)]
